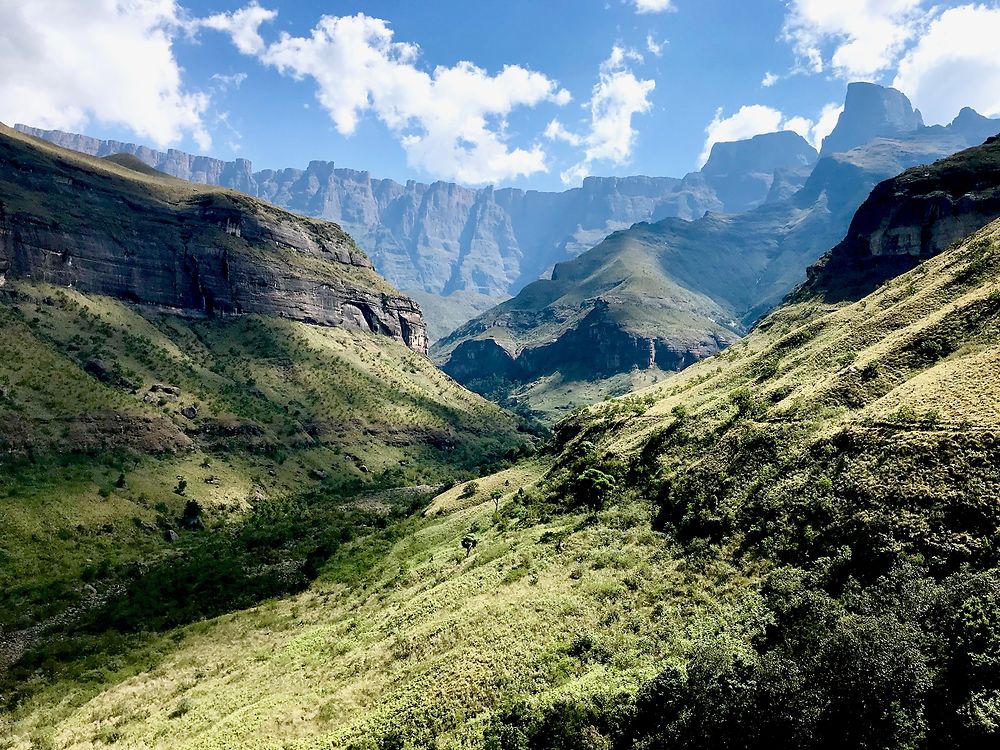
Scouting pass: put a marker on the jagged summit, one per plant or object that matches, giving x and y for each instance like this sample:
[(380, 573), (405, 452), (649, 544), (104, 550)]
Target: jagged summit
[(871, 111)]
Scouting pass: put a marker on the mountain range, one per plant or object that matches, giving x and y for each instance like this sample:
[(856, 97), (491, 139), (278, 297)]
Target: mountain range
[(792, 544), (658, 296), (478, 246)]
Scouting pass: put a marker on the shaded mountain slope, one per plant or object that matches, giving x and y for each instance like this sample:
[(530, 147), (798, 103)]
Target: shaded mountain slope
[(909, 219)]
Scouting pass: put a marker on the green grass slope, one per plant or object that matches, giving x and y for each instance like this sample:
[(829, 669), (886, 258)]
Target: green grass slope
[(792, 544), (113, 417)]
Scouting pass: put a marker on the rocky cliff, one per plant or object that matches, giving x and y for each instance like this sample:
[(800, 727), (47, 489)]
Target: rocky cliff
[(871, 111), (910, 218), (100, 227)]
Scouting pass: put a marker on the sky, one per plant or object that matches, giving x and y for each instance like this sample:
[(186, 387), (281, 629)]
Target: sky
[(522, 93)]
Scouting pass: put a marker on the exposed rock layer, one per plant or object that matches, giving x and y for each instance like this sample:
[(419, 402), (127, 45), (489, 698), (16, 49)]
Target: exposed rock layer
[(909, 218), (443, 238), (101, 228)]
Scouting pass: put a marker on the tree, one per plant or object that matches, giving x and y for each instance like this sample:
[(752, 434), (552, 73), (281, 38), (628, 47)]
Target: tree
[(496, 496), (469, 542), (593, 488)]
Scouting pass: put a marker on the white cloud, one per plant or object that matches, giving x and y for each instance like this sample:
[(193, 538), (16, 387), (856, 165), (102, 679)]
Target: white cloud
[(617, 96), (853, 38), (956, 63), (654, 47), (756, 119), (555, 131), (769, 80), (66, 63), (242, 25), (653, 6), (451, 122), (825, 124), (229, 81)]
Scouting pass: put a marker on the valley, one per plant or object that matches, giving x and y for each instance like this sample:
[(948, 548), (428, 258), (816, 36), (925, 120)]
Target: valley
[(296, 459)]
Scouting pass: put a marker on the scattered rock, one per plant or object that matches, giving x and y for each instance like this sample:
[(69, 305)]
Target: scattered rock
[(99, 369), (189, 412), (89, 590), (317, 474), (364, 469), (170, 390), (171, 536)]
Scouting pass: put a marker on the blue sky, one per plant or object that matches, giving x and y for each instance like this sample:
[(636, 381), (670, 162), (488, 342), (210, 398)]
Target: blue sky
[(521, 93)]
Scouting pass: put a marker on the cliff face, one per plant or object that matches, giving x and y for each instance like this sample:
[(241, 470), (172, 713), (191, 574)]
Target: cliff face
[(910, 218), (871, 111), (102, 228)]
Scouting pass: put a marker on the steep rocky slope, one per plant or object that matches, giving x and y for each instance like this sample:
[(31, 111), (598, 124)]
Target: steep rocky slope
[(659, 296), (99, 227), (792, 544), (910, 218)]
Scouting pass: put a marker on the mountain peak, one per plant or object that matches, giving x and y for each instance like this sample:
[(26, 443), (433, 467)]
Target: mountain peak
[(871, 111), (762, 153)]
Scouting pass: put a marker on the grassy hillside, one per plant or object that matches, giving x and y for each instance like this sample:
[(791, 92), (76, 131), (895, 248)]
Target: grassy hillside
[(114, 417), (792, 544)]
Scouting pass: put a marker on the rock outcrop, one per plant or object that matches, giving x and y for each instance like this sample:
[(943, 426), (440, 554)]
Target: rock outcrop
[(871, 111), (910, 218), (102, 228)]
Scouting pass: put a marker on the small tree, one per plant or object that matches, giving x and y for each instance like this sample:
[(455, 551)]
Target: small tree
[(469, 490), (496, 496), (593, 488), (469, 542)]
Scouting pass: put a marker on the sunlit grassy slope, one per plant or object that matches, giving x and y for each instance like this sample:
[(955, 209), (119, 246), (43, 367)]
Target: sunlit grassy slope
[(851, 439), (106, 408)]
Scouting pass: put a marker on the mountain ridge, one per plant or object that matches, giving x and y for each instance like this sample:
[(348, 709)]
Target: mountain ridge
[(153, 239), (703, 282)]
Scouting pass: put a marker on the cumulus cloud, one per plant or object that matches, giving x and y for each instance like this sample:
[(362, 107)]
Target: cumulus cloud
[(769, 80), (653, 6), (66, 63), (617, 96), (956, 63), (756, 119), (451, 122), (242, 25), (852, 38)]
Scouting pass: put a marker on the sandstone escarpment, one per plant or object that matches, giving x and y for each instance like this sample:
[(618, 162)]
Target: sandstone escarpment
[(910, 218), (74, 222)]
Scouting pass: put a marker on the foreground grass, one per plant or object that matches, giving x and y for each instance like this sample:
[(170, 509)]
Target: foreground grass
[(427, 643)]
